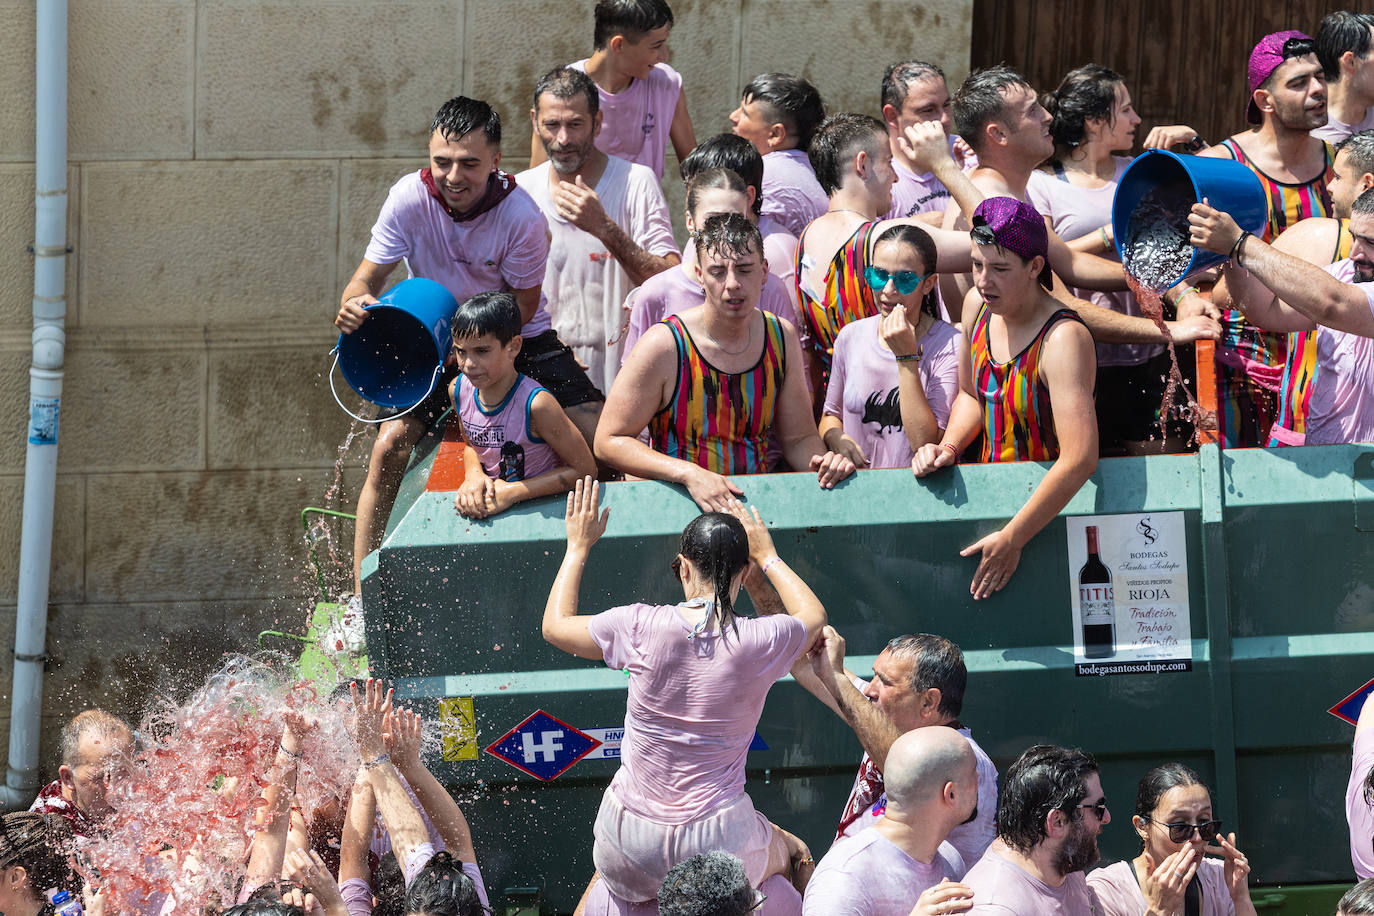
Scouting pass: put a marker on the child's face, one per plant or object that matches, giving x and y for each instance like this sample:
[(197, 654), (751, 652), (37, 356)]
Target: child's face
[(637, 58), (484, 359)]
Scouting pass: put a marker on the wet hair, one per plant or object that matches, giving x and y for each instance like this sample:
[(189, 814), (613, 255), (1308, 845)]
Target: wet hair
[(1364, 205), (42, 844), (1086, 94), (730, 235), (442, 888), (1341, 31), (936, 662), (918, 238), (728, 151), (389, 885), (632, 19), (1044, 778), (898, 77), (93, 723), (713, 179), (567, 83), (461, 115), (839, 138), (341, 690), (980, 101), (494, 313), (708, 884), (1157, 782), (264, 908), (1360, 147), (792, 102), (1358, 901), (715, 542)]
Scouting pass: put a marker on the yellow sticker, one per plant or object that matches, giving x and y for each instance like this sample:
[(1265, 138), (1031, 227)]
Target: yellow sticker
[(458, 729)]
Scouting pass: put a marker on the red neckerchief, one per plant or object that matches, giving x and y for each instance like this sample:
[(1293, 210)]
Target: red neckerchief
[(50, 801), (867, 788), (499, 186)]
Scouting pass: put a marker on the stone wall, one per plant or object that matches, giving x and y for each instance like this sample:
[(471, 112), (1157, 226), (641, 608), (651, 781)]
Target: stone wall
[(228, 158)]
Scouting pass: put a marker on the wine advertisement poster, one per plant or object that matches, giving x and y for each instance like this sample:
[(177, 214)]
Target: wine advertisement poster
[(1128, 588)]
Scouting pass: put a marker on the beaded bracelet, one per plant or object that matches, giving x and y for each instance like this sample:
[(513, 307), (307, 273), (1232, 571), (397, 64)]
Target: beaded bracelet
[(298, 755), (768, 564), (910, 357), (376, 761)]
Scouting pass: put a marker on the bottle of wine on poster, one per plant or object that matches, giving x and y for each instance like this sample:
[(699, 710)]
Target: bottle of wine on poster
[(1096, 604)]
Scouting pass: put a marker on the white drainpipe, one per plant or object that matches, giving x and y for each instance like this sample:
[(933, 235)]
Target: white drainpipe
[(45, 394)]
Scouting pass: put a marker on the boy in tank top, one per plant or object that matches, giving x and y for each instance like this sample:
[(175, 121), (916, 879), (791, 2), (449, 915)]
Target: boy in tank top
[(520, 443)]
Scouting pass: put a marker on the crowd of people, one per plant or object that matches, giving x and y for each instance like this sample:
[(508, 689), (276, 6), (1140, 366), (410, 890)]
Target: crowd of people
[(934, 285)]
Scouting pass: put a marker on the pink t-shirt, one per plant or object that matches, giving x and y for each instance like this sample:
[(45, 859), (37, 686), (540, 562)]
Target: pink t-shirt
[(1001, 887), (969, 841), (1118, 892), (1334, 131), (780, 248), (913, 194), (674, 290), (791, 194), (501, 435), (1358, 812), (868, 875), (693, 703), (584, 283), (635, 121), (1341, 407), (1075, 212), (503, 249), (863, 390)]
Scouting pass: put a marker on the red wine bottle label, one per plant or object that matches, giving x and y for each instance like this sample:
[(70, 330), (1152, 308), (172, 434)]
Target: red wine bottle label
[(1096, 603)]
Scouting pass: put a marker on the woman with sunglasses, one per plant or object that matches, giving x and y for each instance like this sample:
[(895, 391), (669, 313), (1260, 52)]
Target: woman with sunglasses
[(894, 375), (699, 675), (1173, 816)]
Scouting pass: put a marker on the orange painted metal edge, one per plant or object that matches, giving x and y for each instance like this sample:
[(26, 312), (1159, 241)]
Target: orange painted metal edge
[(446, 473)]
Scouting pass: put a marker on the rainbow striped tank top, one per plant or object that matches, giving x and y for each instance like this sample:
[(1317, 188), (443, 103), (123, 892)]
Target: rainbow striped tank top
[(1018, 424), (716, 420), (1300, 369), (847, 294), (1288, 203)]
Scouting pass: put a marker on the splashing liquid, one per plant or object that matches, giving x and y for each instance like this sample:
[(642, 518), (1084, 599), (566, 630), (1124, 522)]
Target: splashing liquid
[(1151, 303), (184, 815)]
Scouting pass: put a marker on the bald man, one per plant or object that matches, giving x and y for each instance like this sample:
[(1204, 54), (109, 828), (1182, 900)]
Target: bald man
[(931, 776), (97, 748)]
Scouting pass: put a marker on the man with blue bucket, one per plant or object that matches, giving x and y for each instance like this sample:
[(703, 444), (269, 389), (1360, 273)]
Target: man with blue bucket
[(467, 225)]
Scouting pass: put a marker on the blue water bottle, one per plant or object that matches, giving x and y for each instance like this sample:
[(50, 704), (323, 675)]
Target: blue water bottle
[(64, 905)]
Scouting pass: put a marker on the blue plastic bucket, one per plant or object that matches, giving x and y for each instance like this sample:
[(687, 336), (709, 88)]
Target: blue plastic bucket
[(1226, 184), (394, 359)]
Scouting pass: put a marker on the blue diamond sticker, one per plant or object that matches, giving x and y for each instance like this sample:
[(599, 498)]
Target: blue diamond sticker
[(543, 746)]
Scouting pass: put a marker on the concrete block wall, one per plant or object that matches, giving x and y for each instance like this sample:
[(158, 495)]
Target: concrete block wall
[(228, 158)]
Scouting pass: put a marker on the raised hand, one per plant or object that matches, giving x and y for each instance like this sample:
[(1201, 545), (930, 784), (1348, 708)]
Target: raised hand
[(584, 526)]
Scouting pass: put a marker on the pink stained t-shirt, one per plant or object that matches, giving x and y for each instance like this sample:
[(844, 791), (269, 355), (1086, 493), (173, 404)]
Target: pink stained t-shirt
[(868, 875), (1003, 888), (914, 194), (1075, 212), (780, 248), (1334, 131), (585, 284), (1341, 406), (503, 249), (635, 121), (791, 194), (1118, 891), (674, 291), (863, 390), (501, 434), (1359, 814), (693, 703)]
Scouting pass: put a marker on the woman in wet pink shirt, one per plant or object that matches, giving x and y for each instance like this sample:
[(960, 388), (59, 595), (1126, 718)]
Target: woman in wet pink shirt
[(698, 679)]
